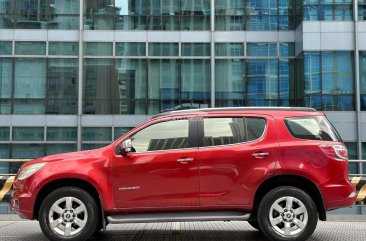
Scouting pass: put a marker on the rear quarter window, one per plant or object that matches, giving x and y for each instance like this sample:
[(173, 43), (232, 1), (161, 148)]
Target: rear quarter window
[(312, 128)]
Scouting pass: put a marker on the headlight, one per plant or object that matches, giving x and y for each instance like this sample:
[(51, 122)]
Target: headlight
[(30, 170)]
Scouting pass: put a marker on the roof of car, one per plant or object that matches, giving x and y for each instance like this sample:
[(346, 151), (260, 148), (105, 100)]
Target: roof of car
[(235, 109)]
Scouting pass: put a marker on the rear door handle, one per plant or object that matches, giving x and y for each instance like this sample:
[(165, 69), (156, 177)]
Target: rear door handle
[(260, 155), (185, 160)]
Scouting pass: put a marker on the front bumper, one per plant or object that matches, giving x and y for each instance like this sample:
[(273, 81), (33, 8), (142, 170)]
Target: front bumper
[(22, 201)]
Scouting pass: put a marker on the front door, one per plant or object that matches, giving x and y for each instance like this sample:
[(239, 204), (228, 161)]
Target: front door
[(161, 172)]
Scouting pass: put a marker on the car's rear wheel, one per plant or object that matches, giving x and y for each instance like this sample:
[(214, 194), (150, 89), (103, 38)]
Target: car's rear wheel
[(286, 214), (69, 213)]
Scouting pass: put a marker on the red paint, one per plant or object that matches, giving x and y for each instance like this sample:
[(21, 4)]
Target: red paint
[(220, 177)]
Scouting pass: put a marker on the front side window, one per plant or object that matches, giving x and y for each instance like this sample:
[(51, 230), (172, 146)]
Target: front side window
[(162, 136), (231, 130)]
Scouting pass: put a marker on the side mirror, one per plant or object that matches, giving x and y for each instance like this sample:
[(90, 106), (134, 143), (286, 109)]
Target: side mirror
[(126, 147)]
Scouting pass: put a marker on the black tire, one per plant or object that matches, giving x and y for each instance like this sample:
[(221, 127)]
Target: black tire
[(254, 225), (91, 217), (276, 232)]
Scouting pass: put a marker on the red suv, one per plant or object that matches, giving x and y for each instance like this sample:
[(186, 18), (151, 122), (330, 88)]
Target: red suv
[(280, 169)]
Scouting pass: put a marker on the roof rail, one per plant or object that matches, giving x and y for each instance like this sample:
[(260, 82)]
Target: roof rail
[(235, 109)]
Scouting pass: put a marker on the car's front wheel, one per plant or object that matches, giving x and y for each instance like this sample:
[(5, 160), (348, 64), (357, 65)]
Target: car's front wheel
[(68, 213), (287, 214)]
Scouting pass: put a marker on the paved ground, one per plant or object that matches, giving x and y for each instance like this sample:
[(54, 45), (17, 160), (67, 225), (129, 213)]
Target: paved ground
[(199, 231)]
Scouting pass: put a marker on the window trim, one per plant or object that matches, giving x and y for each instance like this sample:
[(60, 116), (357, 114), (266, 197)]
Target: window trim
[(202, 134)]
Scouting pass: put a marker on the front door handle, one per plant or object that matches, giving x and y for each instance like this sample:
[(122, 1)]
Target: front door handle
[(185, 160), (260, 155)]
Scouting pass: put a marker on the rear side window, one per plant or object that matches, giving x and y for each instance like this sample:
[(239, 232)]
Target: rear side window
[(312, 128), (231, 130)]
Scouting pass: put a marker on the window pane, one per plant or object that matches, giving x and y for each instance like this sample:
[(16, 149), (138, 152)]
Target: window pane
[(163, 7), (130, 49), (230, 74), (168, 23), (196, 49), (163, 82), (312, 72), (67, 22), (52, 149), (224, 131), (96, 134), (4, 151), (262, 82), (6, 76), (130, 94), (200, 23), (163, 49), (162, 136), (28, 134), (196, 84), (4, 133), (262, 49), (27, 151), (130, 22), (63, 48), (30, 48), (62, 86), (229, 49), (255, 128), (287, 49), (120, 131), (65, 6), (230, 23), (98, 49), (5, 47), (98, 86), (30, 78), (61, 133)]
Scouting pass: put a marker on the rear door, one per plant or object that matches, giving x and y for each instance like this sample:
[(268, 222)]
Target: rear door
[(235, 155)]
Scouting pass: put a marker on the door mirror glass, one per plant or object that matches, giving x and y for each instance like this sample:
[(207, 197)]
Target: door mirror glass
[(126, 147)]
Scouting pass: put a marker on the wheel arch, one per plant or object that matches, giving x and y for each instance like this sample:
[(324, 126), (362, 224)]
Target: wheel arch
[(291, 180), (66, 182)]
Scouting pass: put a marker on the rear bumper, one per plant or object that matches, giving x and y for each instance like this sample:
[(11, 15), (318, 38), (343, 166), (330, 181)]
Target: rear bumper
[(339, 196)]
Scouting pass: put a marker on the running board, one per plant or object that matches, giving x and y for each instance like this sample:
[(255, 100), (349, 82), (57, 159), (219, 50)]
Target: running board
[(179, 217)]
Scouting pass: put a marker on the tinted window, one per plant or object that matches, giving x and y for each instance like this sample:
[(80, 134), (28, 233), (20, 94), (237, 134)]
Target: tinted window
[(312, 128), (162, 136), (255, 128), (225, 131)]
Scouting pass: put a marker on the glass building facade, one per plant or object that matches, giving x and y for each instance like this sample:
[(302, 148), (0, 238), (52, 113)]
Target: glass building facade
[(77, 74)]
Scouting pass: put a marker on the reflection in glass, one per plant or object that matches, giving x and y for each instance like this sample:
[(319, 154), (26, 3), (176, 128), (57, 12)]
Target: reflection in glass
[(363, 80), (262, 49), (98, 86), (52, 149), (98, 49), (62, 86), (96, 134), (28, 133), (63, 48), (27, 151), (262, 82), (130, 86), (30, 48), (5, 47), (230, 74), (4, 133), (224, 131), (120, 131), (229, 49), (30, 84), (130, 49), (6, 76), (196, 76), (161, 136), (196, 49), (4, 152), (61, 133), (163, 49)]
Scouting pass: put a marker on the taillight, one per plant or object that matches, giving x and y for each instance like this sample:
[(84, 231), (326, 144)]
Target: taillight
[(335, 151)]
